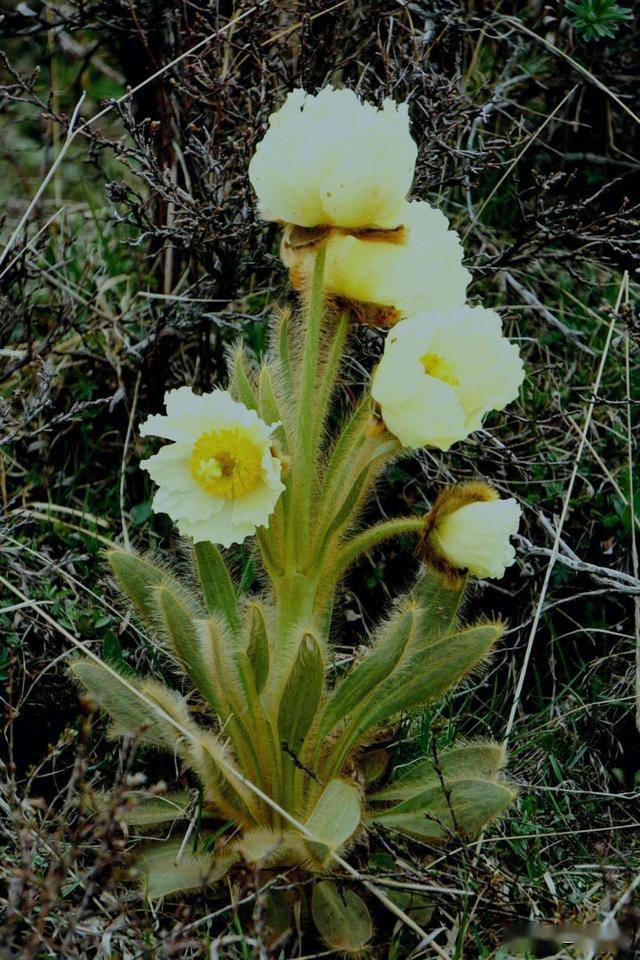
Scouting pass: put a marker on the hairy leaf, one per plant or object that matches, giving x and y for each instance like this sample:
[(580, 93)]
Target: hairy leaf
[(180, 629), (483, 760), (125, 698), (258, 649), (336, 816), (240, 383), (439, 598), (301, 695), (164, 871), (427, 675), (267, 846), (217, 585), (463, 808), (137, 577), (373, 669), (341, 916), (420, 679), (151, 811), (210, 759), (242, 714), (269, 408)]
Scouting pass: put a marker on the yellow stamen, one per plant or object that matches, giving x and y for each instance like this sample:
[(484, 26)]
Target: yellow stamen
[(436, 366), (226, 463)]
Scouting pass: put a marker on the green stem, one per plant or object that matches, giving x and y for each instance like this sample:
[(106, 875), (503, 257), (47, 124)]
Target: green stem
[(329, 373), (333, 562), (365, 541), (305, 462)]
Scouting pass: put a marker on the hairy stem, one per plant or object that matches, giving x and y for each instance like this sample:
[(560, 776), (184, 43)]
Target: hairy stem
[(351, 550), (306, 454)]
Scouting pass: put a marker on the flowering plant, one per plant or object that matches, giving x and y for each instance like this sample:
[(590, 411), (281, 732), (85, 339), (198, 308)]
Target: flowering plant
[(284, 745)]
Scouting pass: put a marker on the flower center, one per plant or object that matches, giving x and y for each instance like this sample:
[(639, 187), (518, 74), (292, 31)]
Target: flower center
[(226, 463), (436, 366)]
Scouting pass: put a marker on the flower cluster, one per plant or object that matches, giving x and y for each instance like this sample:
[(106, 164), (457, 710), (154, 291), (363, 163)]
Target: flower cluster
[(337, 172), (280, 744)]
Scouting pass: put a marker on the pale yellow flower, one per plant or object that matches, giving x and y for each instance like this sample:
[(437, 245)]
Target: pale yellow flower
[(219, 480), (476, 536), (441, 372), (422, 273), (332, 160)]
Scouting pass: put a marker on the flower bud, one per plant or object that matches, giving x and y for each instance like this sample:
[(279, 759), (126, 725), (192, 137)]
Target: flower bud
[(469, 528)]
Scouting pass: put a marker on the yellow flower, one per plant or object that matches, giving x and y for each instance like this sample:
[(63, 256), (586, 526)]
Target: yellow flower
[(422, 273), (219, 480), (476, 536), (332, 160), (442, 372)]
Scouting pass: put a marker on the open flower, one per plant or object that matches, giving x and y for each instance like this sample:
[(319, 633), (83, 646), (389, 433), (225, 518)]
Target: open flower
[(332, 160), (423, 272), (471, 529), (442, 372), (219, 480)]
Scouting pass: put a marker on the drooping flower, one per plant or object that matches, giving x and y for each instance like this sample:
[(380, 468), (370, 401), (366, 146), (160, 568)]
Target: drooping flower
[(331, 159), (471, 529), (421, 273), (440, 374), (220, 479)]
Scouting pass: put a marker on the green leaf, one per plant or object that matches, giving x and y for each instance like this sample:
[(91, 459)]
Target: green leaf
[(277, 914), (281, 347), (210, 759), (164, 872), (415, 904), (258, 649), (186, 642), (112, 650), (336, 816), (372, 670), (152, 811), (301, 694), (341, 916), (122, 696), (330, 369), (465, 807), (217, 585), (483, 760), (137, 577), (427, 675), (266, 847), (269, 408), (140, 512), (419, 680), (595, 19), (240, 383), (373, 764), (232, 676)]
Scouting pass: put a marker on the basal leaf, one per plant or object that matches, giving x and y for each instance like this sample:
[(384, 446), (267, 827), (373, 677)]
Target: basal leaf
[(464, 808), (482, 759), (341, 916), (119, 695), (335, 817), (301, 695), (165, 871)]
